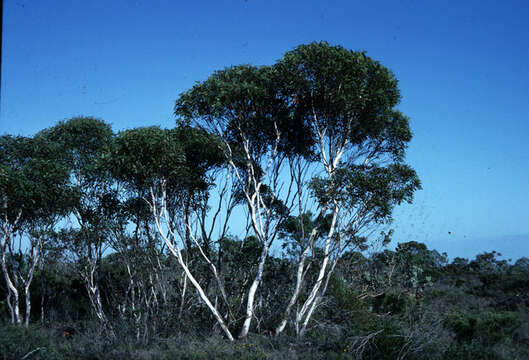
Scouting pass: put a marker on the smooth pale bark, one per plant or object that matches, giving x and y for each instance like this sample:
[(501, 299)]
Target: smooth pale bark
[(25, 279), (177, 253), (28, 305), (251, 294), (14, 308), (12, 292), (299, 283), (330, 159), (260, 214), (95, 299), (212, 266), (35, 257), (317, 299), (201, 292), (260, 229), (321, 274), (146, 293), (182, 298), (297, 171), (89, 274)]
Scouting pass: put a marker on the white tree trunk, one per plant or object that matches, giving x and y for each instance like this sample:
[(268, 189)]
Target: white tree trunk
[(203, 296), (35, 257), (251, 294), (308, 304), (12, 292), (28, 305), (318, 297), (95, 299), (295, 294), (177, 253)]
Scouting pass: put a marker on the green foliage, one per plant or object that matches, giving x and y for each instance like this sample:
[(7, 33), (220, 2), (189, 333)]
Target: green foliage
[(240, 101), (144, 155), (495, 326), (17, 342), (33, 181), (369, 189), (335, 84), (488, 328), (464, 326), (392, 302), (347, 300), (471, 351), (488, 262), (295, 231), (83, 143)]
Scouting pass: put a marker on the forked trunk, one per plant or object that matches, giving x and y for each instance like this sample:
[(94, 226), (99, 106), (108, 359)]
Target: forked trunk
[(309, 304), (12, 293)]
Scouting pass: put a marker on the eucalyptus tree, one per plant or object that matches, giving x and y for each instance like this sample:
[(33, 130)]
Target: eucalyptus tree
[(242, 106), (347, 102), (34, 195), (84, 144), (169, 169), (326, 116)]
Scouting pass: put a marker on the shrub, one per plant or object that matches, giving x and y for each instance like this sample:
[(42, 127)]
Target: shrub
[(463, 325), (489, 328), (17, 342), (494, 326), (393, 302), (471, 351)]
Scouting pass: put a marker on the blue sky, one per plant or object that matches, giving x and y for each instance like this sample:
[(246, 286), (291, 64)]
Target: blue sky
[(462, 65)]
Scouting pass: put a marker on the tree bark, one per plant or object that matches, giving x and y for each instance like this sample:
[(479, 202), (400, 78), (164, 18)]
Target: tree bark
[(178, 254), (251, 294)]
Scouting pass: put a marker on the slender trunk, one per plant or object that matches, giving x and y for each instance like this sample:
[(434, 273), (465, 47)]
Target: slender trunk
[(295, 294), (187, 230), (251, 294), (28, 306), (12, 293), (35, 254), (308, 304), (42, 308), (14, 306), (203, 295), (318, 298), (95, 300), (14, 309), (10, 306), (314, 292), (182, 298), (299, 279), (178, 254)]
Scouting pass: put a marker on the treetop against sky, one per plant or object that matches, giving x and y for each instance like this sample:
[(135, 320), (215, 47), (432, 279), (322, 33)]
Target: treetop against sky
[(461, 68)]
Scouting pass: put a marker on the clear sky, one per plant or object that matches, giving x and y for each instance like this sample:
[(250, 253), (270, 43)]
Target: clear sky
[(463, 68)]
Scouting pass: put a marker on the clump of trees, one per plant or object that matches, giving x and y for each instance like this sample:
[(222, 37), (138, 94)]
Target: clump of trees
[(313, 138), (249, 216)]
